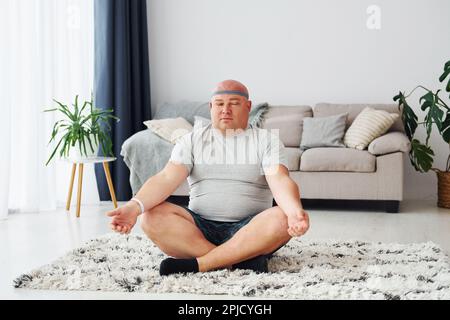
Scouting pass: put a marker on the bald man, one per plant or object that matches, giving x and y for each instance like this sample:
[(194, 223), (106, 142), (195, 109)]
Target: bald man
[(230, 221)]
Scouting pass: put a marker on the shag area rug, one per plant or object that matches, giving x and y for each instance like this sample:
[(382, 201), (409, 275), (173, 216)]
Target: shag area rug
[(300, 270)]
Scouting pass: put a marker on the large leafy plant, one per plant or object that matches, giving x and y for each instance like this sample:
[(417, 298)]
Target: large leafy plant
[(437, 112), (77, 127)]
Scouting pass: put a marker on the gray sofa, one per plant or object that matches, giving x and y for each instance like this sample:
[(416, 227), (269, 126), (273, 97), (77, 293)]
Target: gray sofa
[(333, 173)]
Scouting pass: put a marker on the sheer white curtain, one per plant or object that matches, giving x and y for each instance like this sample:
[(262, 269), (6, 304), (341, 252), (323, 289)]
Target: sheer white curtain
[(46, 52)]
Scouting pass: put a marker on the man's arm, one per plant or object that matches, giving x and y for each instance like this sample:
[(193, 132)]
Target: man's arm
[(286, 193), (160, 186)]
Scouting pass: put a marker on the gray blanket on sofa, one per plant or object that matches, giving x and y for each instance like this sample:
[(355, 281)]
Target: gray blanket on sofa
[(145, 153)]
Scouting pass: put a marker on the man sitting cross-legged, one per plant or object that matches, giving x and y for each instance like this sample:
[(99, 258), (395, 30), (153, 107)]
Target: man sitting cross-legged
[(234, 171)]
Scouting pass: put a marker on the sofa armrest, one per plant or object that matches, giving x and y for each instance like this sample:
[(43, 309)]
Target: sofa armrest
[(145, 154), (390, 142)]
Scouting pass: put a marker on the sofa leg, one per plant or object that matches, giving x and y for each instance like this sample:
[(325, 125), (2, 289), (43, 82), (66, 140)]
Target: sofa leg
[(391, 206)]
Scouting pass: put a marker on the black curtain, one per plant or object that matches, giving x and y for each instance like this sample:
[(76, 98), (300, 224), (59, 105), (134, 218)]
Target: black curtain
[(121, 80)]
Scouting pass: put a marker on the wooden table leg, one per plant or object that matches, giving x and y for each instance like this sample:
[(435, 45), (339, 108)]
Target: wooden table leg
[(110, 184), (69, 196), (80, 183)]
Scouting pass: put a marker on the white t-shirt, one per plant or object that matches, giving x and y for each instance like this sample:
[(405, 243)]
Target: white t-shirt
[(227, 173)]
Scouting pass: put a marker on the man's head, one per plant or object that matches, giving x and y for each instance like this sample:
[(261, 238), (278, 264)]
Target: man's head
[(230, 106)]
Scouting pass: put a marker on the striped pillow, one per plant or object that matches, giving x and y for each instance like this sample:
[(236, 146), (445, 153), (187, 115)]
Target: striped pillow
[(367, 126)]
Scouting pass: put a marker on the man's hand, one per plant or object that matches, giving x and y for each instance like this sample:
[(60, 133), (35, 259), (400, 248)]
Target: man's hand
[(298, 223), (124, 218)]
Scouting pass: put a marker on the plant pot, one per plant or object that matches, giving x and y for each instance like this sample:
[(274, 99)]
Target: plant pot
[(443, 189), (75, 152)]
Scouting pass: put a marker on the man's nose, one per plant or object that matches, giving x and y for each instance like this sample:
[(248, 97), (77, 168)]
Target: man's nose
[(226, 108)]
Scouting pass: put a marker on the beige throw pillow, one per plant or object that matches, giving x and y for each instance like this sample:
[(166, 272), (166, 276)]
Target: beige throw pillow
[(368, 125), (169, 129)]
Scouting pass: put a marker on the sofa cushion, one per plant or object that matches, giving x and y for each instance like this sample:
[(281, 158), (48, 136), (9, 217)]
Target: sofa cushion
[(368, 125), (328, 109), (337, 159), (390, 142), (183, 108), (200, 122), (289, 121), (169, 129), (323, 132), (293, 155)]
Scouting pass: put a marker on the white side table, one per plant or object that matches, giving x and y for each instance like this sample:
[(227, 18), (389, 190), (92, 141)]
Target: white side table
[(80, 163)]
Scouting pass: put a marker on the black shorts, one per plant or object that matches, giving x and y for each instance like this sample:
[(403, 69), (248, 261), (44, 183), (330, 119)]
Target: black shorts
[(218, 232)]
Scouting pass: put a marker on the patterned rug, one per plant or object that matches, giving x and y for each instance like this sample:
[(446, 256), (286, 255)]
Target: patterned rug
[(300, 270)]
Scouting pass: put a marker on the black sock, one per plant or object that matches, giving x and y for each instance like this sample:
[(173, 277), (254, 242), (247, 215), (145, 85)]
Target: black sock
[(269, 256), (257, 264), (171, 265)]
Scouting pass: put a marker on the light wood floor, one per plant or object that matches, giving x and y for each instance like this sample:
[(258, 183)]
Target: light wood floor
[(30, 240)]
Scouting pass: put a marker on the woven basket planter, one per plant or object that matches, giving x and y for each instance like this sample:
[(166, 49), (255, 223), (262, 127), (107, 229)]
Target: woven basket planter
[(443, 188)]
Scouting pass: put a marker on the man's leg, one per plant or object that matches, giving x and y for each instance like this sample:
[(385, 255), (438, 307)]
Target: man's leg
[(174, 231), (265, 233)]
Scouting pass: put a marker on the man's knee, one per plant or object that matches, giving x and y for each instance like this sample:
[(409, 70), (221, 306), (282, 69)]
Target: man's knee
[(153, 221), (279, 224)]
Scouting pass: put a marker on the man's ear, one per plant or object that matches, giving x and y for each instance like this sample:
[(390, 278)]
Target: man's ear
[(249, 105), (210, 105)]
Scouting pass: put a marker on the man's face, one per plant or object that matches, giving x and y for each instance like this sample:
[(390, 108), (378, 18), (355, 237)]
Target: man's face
[(229, 111)]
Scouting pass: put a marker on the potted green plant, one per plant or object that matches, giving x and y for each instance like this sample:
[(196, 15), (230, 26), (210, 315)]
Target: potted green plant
[(81, 131), (437, 112)]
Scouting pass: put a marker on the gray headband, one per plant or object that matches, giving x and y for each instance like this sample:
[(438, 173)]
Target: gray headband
[(239, 93)]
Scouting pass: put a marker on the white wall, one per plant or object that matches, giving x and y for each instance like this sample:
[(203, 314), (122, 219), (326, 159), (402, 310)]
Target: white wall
[(301, 52)]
